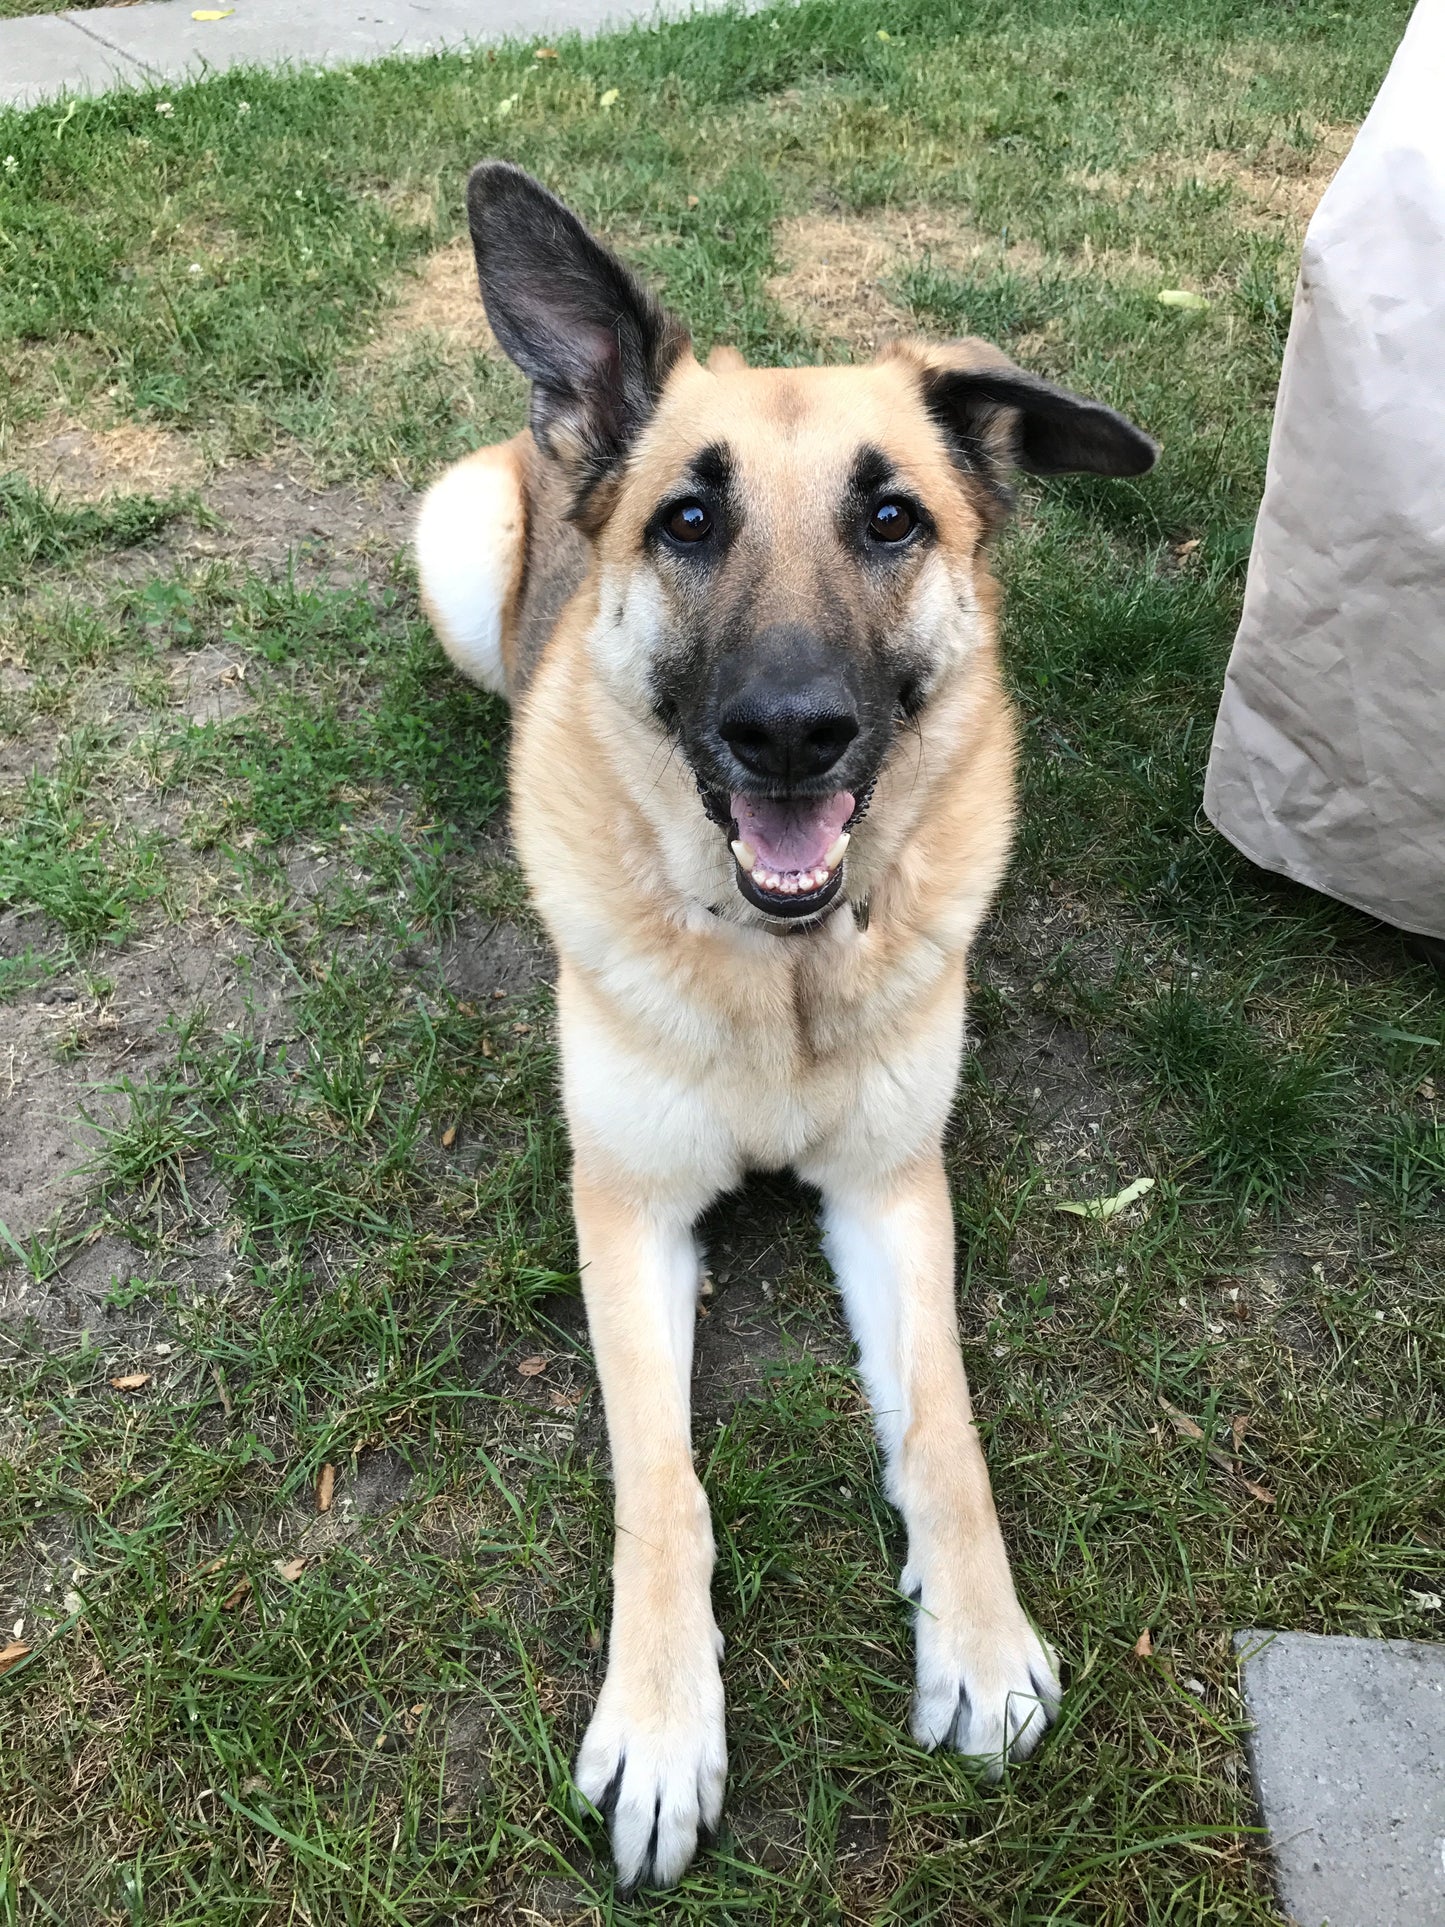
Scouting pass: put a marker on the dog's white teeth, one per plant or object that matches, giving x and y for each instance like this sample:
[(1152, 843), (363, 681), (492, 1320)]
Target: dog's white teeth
[(788, 883), (835, 855)]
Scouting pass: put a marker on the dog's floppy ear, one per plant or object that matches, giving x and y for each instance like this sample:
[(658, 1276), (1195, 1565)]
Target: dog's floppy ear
[(594, 342), (999, 417)]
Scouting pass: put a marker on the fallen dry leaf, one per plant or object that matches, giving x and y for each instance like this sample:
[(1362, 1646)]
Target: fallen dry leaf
[(545, 53), (530, 1367), (1187, 548), (12, 1654), (325, 1486), (1144, 1645), (1185, 1427), (130, 1381), (1238, 1426), (1260, 1492), (449, 1137), (486, 1047), (692, 200), (1109, 1207), (225, 1396), (237, 1593), (290, 1569)]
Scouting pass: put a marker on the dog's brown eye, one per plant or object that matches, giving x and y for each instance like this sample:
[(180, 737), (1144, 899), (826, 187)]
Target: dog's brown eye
[(689, 522), (891, 521)]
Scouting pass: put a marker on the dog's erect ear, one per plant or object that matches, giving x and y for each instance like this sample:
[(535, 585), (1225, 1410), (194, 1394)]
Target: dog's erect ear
[(1000, 417), (595, 344)]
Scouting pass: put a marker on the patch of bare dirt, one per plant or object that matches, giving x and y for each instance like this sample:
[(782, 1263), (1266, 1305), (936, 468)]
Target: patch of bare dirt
[(491, 955), (261, 514), (209, 684), (756, 1242), (87, 464), (43, 1132), (69, 1036), (266, 516)]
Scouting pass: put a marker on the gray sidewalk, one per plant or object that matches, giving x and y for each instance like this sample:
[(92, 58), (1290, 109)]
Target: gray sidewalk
[(45, 55)]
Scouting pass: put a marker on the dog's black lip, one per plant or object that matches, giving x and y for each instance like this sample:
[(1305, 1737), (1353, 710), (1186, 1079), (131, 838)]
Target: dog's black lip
[(717, 803), (785, 908)]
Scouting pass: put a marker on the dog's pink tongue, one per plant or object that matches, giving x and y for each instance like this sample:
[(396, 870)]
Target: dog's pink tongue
[(795, 834)]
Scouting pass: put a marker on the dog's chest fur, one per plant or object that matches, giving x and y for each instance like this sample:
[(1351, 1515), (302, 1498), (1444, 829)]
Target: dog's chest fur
[(726, 1047)]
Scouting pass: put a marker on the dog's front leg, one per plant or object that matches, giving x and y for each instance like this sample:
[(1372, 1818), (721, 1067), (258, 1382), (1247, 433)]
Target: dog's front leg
[(654, 1760), (987, 1684)]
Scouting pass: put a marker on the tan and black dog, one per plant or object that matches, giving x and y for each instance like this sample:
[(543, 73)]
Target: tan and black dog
[(762, 788)]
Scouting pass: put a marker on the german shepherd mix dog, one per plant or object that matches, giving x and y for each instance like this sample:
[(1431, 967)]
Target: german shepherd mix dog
[(762, 781)]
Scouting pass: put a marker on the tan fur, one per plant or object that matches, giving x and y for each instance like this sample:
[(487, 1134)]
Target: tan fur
[(700, 1042)]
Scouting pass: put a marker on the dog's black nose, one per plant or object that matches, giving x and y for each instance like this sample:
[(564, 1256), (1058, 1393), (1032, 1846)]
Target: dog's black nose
[(784, 709), (789, 734)]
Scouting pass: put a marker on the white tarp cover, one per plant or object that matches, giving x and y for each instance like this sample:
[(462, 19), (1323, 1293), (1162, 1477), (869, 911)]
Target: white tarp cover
[(1328, 762)]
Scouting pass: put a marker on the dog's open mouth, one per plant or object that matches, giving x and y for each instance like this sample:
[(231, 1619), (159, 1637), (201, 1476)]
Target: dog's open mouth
[(789, 850)]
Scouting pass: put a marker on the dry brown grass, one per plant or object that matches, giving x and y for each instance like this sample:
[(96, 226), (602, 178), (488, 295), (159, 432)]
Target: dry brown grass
[(1274, 184), (840, 270), (88, 464), (1283, 182), (835, 281), (442, 299)]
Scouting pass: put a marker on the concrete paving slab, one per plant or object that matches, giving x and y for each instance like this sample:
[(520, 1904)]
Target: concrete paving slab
[(47, 54), (1348, 1759), (160, 41)]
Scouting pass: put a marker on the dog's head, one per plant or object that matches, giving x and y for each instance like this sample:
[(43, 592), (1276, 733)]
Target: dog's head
[(788, 557)]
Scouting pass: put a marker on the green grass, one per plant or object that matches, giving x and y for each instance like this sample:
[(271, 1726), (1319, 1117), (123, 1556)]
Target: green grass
[(13, 9), (36, 529), (334, 1184), (63, 858)]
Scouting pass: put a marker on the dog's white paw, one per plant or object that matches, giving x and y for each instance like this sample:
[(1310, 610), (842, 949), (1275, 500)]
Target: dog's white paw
[(655, 1765), (989, 1691)]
